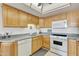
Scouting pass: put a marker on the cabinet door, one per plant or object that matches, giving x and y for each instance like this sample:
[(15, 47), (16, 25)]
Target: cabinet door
[(78, 50), (34, 45), (36, 20), (46, 39), (39, 42), (48, 22), (14, 49), (72, 47), (73, 18), (5, 49), (45, 45), (15, 18), (10, 16), (41, 23), (9, 49), (23, 19), (33, 19), (5, 15), (29, 18), (60, 17), (46, 42)]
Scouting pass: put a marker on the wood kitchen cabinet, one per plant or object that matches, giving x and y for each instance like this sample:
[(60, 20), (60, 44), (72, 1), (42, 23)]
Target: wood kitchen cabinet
[(0, 48), (36, 43), (13, 17), (72, 47), (14, 49), (8, 49), (22, 19), (10, 16), (33, 19), (41, 23), (48, 22), (46, 42), (5, 12), (39, 42), (78, 50), (45, 22), (29, 17), (73, 18), (60, 17), (77, 47)]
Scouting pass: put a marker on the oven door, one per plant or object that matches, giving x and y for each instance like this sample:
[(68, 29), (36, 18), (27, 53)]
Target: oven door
[(59, 44)]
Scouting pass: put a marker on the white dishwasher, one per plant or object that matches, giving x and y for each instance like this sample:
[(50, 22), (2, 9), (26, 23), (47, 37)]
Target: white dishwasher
[(24, 47)]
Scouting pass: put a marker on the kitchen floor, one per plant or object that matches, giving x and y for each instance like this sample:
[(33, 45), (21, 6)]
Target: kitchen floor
[(43, 52)]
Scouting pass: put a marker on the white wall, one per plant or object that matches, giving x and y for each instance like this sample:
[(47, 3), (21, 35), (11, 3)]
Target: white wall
[(1, 25)]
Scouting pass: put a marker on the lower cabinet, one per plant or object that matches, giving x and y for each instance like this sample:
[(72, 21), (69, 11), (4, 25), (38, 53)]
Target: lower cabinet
[(46, 42), (8, 49), (39, 42), (36, 43), (78, 50), (73, 47), (24, 47)]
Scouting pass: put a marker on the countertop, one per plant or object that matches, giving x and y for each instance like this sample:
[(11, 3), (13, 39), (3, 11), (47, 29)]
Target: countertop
[(19, 37)]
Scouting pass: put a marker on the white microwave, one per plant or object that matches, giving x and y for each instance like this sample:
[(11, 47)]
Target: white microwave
[(59, 24)]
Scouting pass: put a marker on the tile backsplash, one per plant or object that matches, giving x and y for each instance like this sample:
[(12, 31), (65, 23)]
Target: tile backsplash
[(45, 30)]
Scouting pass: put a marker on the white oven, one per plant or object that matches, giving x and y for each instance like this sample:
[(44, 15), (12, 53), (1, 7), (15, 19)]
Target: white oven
[(58, 42), (58, 38)]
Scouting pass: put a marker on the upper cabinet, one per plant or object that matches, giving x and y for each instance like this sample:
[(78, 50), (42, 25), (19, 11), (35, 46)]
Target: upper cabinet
[(41, 23), (13, 17), (10, 16), (33, 19), (45, 22), (60, 17), (73, 18), (48, 22), (29, 18), (22, 19)]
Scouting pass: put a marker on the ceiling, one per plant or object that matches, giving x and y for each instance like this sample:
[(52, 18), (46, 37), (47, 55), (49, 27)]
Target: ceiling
[(48, 9), (45, 9)]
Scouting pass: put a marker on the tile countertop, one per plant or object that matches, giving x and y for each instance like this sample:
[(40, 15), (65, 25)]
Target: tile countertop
[(19, 37), (73, 36)]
